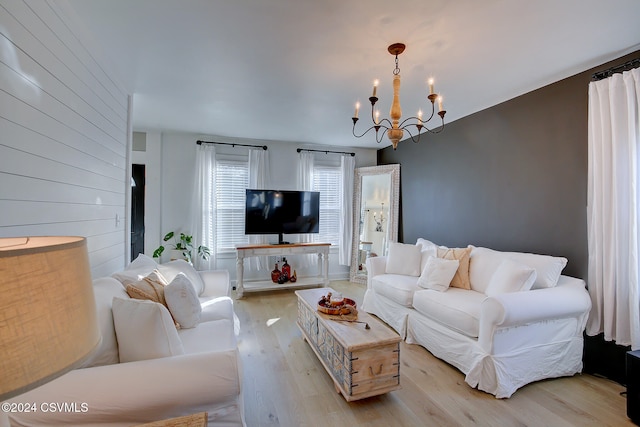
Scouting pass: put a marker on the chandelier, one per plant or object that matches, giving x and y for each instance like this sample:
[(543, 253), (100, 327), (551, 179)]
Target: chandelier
[(393, 127)]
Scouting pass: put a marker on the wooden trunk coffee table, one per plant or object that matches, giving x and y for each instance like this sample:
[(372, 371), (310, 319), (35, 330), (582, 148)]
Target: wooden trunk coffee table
[(362, 362)]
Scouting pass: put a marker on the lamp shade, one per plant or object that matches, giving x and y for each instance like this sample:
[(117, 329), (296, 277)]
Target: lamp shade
[(48, 323)]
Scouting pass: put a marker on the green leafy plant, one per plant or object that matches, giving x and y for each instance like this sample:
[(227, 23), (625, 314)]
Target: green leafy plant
[(183, 243)]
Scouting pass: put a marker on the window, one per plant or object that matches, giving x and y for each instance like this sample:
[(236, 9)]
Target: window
[(232, 179), (328, 181)]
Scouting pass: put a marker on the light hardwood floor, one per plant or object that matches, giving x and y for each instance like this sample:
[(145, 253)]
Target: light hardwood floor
[(286, 385)]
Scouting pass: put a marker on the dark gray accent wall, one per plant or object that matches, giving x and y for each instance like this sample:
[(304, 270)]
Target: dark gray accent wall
[(512, 177)]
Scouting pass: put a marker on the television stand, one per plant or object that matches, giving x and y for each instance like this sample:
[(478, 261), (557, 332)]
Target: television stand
[(246, 251)]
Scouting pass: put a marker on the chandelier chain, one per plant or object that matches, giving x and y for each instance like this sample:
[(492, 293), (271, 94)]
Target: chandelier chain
[(397, 69)]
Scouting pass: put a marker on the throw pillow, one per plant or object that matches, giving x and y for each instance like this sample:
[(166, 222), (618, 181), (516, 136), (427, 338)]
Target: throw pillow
[(429, 249), (403, 259), (144, 330), (511, 276), (438, 273), (171, 269), (183, 302), (140, 267), (548, 268), (150, 287), (461, 278), (426, 244)]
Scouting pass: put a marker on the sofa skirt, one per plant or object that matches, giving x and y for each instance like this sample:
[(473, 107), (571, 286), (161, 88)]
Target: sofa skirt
[(512, 367)]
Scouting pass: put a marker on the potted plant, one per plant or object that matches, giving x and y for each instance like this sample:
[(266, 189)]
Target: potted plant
[(182, 243)]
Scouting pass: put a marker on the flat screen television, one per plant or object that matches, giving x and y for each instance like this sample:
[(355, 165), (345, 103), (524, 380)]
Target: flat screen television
[(282, 212)]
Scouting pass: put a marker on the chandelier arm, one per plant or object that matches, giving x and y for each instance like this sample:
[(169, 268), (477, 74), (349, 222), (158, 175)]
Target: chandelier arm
[(381, 135), (411, 135), (435, 130), (433, 110), (388, 121), (363, 133)]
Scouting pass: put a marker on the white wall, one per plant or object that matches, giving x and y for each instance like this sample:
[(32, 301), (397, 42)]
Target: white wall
[(63, 134), (172, 191)]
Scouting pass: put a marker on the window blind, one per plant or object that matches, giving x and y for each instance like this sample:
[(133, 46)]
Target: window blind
[(327, 180), (232, 179)]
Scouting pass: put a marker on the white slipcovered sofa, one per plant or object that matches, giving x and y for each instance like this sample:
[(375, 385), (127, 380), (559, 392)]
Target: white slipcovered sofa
[(148, 368), (519, 321)]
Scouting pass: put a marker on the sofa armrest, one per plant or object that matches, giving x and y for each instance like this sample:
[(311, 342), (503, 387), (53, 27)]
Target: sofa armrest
[(216, 283), (520, 308), (375, 266), (139, 392)]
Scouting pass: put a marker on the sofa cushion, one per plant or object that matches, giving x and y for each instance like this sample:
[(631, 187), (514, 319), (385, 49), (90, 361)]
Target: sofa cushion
[(183, 302), (216, 309), (511, 276), (397, 287), (140, 267), (458, 309), (461, 278), (104, 289), (403, 259), (215, 335), (144, 330), (171, 269), (438, 273), (484, 263)]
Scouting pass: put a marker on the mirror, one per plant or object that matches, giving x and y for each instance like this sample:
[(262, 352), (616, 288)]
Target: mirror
[(375, 215)]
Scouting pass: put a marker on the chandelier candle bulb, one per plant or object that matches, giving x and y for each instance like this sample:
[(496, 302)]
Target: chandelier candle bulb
[(375, 88), (439, 103), (377, 117), (357, 110), (420, 116), (431, 92)]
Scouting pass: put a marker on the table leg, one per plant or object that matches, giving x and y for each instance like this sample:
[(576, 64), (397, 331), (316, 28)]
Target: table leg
[(325, 272), (239, 276)]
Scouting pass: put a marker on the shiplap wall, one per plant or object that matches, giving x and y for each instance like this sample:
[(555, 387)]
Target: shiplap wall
[(64, 133)]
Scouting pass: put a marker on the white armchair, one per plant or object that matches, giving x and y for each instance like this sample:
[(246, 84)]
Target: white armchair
[(204, 376)]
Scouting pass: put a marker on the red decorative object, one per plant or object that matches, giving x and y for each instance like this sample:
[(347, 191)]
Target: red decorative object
[(286, 270), (275, 274)]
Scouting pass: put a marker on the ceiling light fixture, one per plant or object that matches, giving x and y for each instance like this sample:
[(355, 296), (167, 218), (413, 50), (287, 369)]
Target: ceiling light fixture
[(394, 128)]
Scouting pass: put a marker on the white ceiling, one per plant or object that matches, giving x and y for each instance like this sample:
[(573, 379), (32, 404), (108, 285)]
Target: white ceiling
[(292, 70)]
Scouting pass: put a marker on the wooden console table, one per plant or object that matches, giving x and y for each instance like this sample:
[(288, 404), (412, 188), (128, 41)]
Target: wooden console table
[(245, 251)]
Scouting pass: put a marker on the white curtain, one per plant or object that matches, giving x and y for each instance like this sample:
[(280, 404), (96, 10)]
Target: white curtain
[(613, 194), (203, 219), (347, 168), (259, 178), (304, 182)]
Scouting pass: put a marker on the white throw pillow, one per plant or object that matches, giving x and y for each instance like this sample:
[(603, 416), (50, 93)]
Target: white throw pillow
[(144, 330), (438, 273), (548, 268), (183, 302), (428, 249), (511, 276), (403, 259), (104, 289), (426, 244), (171, 269), (139, 268)]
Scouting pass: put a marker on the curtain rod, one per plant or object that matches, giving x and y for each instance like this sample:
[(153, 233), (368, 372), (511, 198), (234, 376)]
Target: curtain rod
[(634, 63), (325, 151), (233, 144)]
